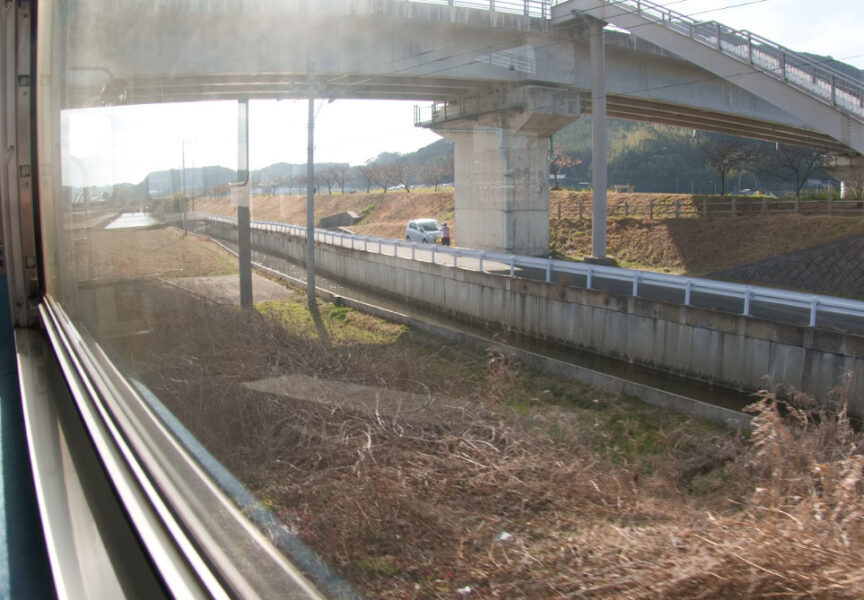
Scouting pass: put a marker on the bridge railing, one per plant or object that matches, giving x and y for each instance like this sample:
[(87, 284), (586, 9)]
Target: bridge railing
[(798, 70), (528, 8), (812, 305)]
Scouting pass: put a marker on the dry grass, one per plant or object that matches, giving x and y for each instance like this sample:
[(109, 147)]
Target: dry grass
[(701, 246), (696, 246), (489, 480), (146, 253)]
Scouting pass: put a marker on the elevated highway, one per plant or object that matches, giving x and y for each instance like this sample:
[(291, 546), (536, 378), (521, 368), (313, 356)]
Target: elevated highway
[(123, 52), (500, 78)]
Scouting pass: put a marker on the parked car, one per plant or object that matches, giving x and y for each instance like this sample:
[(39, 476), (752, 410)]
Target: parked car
[(426, 231), (749, 192)]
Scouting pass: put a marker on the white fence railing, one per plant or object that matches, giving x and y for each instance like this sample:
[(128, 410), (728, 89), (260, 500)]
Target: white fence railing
[(529, 8), (814, 307), (798, 70)]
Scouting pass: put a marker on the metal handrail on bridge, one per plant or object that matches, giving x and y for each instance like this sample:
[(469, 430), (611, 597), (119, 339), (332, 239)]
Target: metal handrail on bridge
[(528, 8), (814, 305), (798, 70)]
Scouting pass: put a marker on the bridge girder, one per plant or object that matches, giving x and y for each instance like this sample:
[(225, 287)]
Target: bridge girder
[(396, 50)]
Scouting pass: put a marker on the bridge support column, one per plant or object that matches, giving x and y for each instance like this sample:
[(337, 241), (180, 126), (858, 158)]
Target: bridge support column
[(850, 171), (599, 144), (501, 145)]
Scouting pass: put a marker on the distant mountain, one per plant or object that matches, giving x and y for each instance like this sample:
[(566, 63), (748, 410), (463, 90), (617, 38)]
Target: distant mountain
[(432, 152), (277, 172), (165, 183)]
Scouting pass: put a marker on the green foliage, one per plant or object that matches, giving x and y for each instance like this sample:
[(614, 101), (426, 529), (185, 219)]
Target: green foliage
[(664, 158), (343, 325)]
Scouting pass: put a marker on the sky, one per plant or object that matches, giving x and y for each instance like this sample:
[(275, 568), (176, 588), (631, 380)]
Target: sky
[(153, 137)]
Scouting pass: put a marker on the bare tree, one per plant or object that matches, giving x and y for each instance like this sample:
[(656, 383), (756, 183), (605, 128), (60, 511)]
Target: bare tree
[(403, 173), (854, 184), (723, 155), (437, 170), (341, 174), (327, 176), (792, 163), (559, 160), (367, 173), (382, 174)]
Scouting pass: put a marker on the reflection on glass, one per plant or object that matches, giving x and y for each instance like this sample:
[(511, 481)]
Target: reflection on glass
[(415, 467)]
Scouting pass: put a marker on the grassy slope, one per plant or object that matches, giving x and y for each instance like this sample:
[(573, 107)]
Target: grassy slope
[(491, 480), (687, 245)]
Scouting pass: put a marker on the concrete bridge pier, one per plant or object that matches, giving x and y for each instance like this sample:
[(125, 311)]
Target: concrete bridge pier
[(501, 164), (849, 169)]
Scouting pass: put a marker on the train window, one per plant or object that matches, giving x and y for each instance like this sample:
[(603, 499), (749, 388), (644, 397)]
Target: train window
[(267, 443)]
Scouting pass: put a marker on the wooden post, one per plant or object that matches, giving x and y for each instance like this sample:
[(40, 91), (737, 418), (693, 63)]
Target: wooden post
[(651, 209), (677, 208)]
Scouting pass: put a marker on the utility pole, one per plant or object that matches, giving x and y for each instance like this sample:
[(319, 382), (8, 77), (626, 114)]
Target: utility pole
[(183, 185), (599, 150), (310, 192), (244, 242)]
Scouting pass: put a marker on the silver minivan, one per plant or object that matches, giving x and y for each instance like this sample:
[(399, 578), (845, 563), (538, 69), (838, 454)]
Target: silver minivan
[(425, 231)]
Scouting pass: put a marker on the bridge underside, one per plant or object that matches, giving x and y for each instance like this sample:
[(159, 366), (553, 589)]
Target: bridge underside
[(397, 50)]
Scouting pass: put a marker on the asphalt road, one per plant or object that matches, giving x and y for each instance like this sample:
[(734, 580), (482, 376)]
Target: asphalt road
[(701, 299)]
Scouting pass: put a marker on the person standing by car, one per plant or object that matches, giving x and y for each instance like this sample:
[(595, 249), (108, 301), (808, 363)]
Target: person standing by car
[(445, 235)]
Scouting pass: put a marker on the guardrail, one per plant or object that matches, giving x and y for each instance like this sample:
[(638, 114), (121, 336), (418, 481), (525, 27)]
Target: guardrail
[(798, 70), (815, 306)]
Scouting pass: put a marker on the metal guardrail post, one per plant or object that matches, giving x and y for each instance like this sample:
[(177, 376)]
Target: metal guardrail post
[(480, 261), (814, 306), (549, 270), (413, 251), (588, 278), (747, 294), (433, 254), (512, 265), (455, 259), (687, 288), (636, 286)]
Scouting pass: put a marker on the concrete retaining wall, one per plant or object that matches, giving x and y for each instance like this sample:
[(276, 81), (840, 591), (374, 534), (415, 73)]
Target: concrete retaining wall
[(833, 269), (729, 350)]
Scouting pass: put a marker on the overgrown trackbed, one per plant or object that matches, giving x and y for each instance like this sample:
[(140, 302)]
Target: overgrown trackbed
[(422, 470)]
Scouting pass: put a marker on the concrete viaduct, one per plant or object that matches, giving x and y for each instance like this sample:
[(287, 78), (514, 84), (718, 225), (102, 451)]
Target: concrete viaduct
[(500, 77)]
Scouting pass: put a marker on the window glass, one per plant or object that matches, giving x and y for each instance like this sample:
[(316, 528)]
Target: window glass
[(412, 466)]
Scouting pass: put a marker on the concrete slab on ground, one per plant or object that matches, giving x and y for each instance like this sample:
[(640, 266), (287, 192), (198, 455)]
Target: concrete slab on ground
[(362, 398)]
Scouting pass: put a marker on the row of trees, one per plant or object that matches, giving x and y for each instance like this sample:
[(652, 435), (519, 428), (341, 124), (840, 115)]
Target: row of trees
[(662, 158), (652, 158), (387, 171)]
